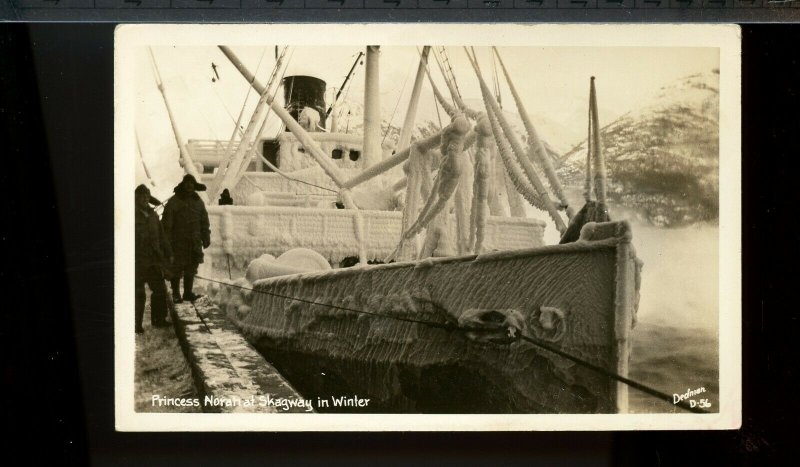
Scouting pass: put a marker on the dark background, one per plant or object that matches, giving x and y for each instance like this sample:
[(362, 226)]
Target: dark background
[(56, 165)]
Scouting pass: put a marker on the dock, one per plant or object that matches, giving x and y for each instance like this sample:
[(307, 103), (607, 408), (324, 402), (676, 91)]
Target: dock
[(230, 375)]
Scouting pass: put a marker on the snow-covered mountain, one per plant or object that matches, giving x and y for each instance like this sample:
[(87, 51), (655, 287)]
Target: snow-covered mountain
[(663, 157)]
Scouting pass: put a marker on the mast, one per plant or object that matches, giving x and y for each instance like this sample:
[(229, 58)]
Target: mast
[(599, 161), (186, 160), (411, 114), (141, 158), (231, 170), (372, 108), (346, 79)]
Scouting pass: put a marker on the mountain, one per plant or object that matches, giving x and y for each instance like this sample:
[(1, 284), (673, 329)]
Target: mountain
[(662, 158)]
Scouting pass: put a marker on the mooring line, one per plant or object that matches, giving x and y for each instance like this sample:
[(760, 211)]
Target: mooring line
[(513, 332), (311, 302)]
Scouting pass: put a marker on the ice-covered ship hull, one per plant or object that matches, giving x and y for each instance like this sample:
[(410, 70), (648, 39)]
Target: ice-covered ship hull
[(395, 334)]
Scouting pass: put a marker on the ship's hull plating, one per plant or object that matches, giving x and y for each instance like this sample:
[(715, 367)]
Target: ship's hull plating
[(321, 330)]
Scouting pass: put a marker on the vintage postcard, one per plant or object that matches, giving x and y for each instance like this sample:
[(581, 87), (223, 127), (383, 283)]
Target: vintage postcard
[(466, 226)]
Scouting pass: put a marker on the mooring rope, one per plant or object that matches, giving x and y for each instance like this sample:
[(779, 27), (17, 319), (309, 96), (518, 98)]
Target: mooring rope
[(513, 332)]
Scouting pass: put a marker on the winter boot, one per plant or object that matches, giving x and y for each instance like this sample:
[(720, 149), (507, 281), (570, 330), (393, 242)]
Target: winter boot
[(175, 285), (188, 283)]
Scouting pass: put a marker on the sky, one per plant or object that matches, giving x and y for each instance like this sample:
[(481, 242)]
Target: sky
[(553, 83)]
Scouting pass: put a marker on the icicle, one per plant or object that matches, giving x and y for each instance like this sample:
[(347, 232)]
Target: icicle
[(515, 204), (227, 232), (360, 231), (463, 200), (480, 190), (504, 150), (438, 235), (535, 143), (447, 179), (415, 175), (497, 195)]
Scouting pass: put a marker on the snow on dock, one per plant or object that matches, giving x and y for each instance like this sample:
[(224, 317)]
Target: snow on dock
[(229, 374)]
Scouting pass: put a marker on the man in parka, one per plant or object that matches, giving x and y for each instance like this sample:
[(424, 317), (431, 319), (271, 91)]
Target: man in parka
[(152, 255), (186, 225)]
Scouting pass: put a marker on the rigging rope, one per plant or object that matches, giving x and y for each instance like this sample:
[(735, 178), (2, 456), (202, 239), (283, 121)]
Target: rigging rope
[(452, 85), (389, 126), (448, 108), (283, 174), (344, 99), (521, 157), (232, 167), (224, 106), (253, 150), (203, 114), (438, 115), (513, 333), (496, 81), (238, 127), (536, 146)]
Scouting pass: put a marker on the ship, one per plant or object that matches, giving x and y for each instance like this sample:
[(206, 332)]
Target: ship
[(408, 273)]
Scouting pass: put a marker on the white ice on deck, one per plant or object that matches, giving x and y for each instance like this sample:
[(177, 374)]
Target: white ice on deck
[(294, 261)]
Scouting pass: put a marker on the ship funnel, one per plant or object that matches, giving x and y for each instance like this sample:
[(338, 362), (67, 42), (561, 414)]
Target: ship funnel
[(301, 92)]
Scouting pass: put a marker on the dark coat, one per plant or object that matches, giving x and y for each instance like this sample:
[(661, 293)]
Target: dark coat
[(152, 245), (186, 225)]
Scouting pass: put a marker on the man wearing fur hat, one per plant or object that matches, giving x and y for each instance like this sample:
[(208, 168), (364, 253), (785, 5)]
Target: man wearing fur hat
[(153, 253), (186, 224)]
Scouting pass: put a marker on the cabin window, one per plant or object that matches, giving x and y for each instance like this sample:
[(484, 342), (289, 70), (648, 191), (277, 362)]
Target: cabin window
[(337, 153), (354, 155), (301, 150)]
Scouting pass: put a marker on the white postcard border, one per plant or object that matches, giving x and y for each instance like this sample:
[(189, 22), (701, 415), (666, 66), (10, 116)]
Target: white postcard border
[(725, 37)]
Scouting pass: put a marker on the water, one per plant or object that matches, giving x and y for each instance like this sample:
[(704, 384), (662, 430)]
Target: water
[(673, 359), (675, 343)]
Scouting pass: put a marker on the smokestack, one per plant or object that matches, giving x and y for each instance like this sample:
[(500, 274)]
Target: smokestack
[(372, 108), (300, 92)]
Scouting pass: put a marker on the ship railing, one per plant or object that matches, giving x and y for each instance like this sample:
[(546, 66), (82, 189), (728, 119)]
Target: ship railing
[(209, 152), (247, 232)]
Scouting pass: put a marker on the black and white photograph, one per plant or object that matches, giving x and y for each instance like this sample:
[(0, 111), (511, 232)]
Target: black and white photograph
[(427, 227)]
